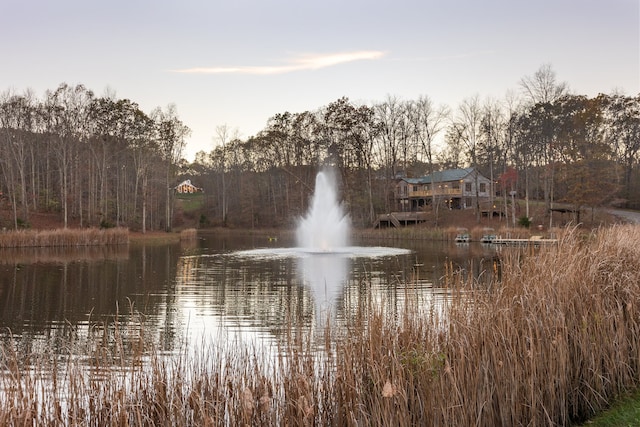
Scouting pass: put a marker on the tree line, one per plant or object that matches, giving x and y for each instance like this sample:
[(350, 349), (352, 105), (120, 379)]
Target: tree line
[(101, 160), (543, 143), (94, 160)]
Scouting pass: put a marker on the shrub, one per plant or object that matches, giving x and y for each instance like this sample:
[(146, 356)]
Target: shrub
[(524, 221), (204, 221), (104, 224), (22, 223)]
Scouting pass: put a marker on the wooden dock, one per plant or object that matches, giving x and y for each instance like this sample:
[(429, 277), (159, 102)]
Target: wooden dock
[(533, 240)]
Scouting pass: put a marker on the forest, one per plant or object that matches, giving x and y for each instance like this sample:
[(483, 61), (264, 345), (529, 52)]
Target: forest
[(101, 161), (95, 161)]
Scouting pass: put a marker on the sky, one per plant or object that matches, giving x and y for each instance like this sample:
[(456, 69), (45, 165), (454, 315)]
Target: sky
[(236, 63)]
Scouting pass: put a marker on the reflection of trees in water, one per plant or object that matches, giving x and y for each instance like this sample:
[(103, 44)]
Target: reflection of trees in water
[(157, 292), (62, 292), (259, 294), (416, 281), (62, 255), (281, 295)]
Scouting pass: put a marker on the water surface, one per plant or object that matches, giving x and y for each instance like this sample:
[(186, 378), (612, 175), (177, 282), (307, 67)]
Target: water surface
[(210, 289)]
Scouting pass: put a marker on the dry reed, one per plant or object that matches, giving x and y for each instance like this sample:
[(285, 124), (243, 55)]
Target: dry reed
[(188, 234), (64, 237), (551, 344)]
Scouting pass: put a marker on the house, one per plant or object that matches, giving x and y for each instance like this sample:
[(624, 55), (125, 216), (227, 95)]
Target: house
[(454, 188), (185, 187)]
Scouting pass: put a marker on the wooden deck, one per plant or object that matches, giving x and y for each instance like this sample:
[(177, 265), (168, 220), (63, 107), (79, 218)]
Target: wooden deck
[(399, 219)]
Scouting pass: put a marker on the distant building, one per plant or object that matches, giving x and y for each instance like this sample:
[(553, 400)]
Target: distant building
[(185, 187), (455, 188)]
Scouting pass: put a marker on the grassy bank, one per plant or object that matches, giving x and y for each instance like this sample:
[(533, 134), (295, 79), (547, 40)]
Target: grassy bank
[(70, 237), (450, 233), (551, 344), (625, 412), (64, 237)]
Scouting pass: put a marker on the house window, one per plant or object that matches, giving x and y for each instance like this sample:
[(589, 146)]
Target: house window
[(468, 202), (483, 187), (415, 188), (467, 187), (455, 185)]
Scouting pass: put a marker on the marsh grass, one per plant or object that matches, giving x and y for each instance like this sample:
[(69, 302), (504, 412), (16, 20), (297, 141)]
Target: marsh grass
[(551, 344), (188, 234), (64, 237)]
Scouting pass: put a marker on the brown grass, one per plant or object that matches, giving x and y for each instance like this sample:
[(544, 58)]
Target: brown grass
[(551, 344), (64, 237), (188, 234)]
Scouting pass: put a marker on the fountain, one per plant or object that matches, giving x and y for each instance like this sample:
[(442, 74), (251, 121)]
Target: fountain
[(323, 253), (326, 228)]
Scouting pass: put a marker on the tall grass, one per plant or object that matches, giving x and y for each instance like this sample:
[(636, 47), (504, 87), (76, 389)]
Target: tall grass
[(64, 237), (188, 234), (551, 344)]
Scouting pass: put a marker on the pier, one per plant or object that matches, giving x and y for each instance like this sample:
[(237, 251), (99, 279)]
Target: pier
[(533, 240)]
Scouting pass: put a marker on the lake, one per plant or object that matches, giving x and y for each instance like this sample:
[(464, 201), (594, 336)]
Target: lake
[(232, 287)]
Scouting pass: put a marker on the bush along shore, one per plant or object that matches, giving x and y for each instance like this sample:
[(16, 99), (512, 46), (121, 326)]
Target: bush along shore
[(551, 343), (64, 237)]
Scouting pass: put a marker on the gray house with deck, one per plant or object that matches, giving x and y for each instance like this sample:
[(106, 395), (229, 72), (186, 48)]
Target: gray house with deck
[(452, 188)]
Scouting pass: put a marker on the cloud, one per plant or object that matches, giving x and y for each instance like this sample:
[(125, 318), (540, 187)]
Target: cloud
[(302, 62)]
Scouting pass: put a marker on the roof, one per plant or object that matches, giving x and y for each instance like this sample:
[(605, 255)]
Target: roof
[(442, 176), (185, 182)]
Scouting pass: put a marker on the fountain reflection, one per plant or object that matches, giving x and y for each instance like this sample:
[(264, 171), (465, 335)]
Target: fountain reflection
[(325, 275)]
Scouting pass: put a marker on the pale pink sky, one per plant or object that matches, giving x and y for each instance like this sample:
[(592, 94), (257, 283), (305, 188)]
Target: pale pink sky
[(237, 63)]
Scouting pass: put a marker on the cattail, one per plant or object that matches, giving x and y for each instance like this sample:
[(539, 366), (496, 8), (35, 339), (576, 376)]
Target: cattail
[(388, 390)]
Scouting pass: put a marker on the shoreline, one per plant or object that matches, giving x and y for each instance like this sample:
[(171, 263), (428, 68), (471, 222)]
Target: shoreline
[(118, 236)]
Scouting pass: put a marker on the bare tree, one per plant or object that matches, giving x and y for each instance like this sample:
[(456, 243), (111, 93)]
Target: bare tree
[(543, 86), (171, 134), (388, 114), (17, 120), (223, 136), (67, 122), (493, 125), (513, 108), (468, 124), (428, 121)]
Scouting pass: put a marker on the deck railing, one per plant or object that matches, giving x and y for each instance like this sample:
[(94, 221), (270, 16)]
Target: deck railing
[(438, 192)]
